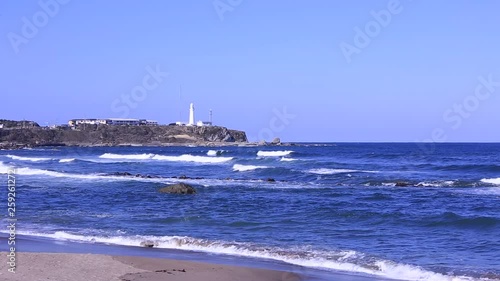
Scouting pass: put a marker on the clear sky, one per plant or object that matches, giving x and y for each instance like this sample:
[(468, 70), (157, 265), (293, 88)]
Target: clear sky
[(302, 70)]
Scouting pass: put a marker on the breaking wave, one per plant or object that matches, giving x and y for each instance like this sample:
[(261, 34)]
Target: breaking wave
[(339, 260), (284, 159), (193, 158), (181, 158), (143, 156), (244, 168), (495, 181), (325, 171), (274, 153), (66, 160), (215, 152), (39, 172), (436, 183), (32, 159)]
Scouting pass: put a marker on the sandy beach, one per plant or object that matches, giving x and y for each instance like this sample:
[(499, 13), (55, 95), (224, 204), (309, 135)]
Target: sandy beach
[(84, 267)]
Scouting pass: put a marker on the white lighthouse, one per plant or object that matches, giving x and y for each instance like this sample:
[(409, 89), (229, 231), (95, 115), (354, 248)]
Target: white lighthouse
[(191, 115)]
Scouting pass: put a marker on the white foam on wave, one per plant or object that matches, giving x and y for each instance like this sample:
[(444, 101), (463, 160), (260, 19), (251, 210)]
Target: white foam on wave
[(435, 184), (66, 160), (4, 169), (244, 168), (39, 172), (32, 159), (143, 156), (495, 181), (193, 158), (274, 153), (215, 152), (347, 261), (181, 158), (325, 171), (285, 159)]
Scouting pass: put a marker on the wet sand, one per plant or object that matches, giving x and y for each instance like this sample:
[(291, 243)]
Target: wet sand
[(86, 267)]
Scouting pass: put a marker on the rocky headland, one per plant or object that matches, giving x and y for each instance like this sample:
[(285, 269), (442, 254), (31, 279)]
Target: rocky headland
[(18, 134)]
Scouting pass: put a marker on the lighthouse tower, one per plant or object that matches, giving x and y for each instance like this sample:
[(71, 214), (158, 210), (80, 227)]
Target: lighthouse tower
[(191, 115)]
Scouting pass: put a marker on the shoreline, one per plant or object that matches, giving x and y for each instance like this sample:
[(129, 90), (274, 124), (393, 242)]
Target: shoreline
[(63, 266), (33, 245)]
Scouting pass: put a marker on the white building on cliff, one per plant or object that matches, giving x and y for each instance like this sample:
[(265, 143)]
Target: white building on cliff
[(192, 118)]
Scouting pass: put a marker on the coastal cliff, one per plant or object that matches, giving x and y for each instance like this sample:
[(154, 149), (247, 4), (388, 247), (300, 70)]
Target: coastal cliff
[(20, 135)]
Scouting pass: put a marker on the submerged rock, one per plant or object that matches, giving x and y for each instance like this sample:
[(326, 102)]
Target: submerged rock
[(402, 184), (178, 188)]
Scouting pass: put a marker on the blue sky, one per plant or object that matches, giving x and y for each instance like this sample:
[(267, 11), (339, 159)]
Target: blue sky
[(410, 72)]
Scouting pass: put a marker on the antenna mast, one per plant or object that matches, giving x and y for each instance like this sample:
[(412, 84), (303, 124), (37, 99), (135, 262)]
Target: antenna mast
[(180, 102)]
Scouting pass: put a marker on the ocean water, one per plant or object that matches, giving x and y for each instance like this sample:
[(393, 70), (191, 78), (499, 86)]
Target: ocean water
[(334, 207)]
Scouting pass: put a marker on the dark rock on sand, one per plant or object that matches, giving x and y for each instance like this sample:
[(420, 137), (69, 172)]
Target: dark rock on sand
[(148, 244), (178, 188)]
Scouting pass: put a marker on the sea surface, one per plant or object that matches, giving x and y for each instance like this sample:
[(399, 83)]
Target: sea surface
[(385, 210)]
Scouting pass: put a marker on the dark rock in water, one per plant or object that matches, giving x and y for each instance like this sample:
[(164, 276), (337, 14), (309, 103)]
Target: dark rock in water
[(178, 188), (271, 180), (276, 141), (402, 184), (148, 244), (136, 175), (122, 174), (183, 177)]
